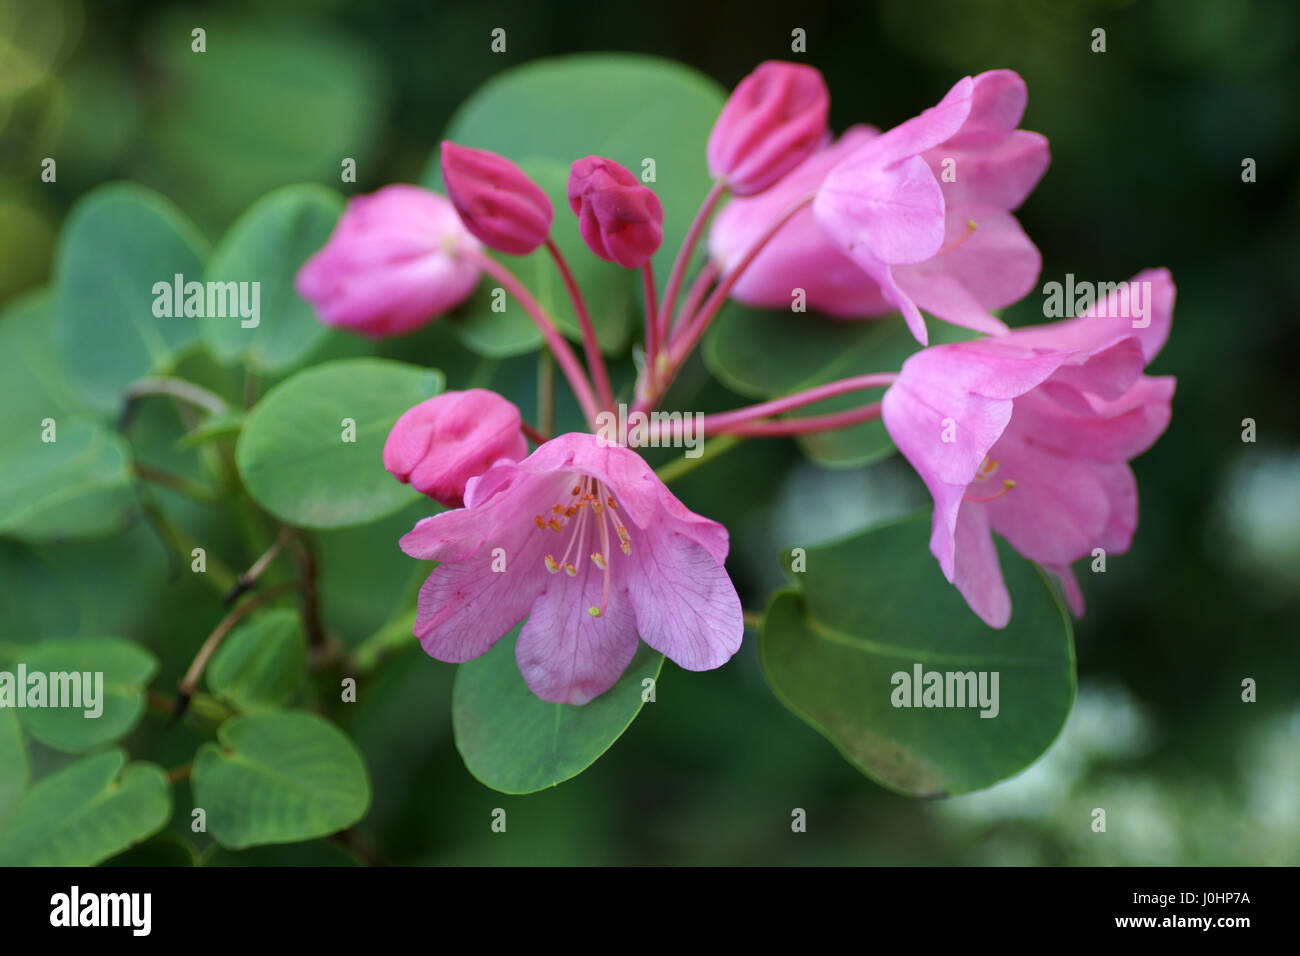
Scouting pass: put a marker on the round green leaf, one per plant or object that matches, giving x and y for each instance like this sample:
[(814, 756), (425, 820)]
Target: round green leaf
[(292, 453), (162, 850), (119, 241), (86, 813), (15, 772), (77, 486), (35, 602), (126, 671), (279, 777), (767, 354), (268, 245), (876, 605), (270, 102), (261, 664), (515, 742), (33, 382), (312, 853)]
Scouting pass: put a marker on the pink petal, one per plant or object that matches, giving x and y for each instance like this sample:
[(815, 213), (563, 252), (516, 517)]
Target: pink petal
[(1059, 507), (894, 213), (686, 607), (998, 99), (978, 574), (937, 124), (984, 269), (564, 653), (1108, 430), (1000, 174), (1093, 330), (1069, 585)]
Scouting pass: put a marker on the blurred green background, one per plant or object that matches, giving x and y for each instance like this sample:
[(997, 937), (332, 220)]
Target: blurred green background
[(1148, 141)]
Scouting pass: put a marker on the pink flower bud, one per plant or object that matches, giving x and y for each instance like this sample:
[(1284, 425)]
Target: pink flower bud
[(774, 120), (496, 200), (620, 219), (443, 442), (390, 264)]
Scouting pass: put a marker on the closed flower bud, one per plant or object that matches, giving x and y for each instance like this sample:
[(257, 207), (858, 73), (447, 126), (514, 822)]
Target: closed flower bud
[(774, 120), (390, 265), (440, 444), (496, 200), (620, 219)]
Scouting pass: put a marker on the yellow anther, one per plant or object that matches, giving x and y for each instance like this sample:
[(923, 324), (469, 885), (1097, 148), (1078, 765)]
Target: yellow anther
[(569, 569), (593, 611), (598, 560), (551, 564), (554, 525)]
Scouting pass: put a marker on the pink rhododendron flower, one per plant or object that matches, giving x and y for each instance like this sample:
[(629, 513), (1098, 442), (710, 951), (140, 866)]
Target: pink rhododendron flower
[(773, 120), (597, 551), (496, 200), (620, 219), (1030, 435), (440, 444), (985, 261), (389, 266)]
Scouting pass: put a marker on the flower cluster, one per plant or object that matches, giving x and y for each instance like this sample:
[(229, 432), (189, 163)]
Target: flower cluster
[(1027, 432)]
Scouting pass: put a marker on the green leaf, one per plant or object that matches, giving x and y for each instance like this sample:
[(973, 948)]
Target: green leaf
[(292, 455), (515, 742), (119, 241), (35, 603), (78, 486), (127, 670), (876, 604), (261, 664), (162, 850), (626, 108), (279, 777), (268, 245), (313, 853), (33, 383), (767, 354), (86, 813), (270, 102), (15, 772)]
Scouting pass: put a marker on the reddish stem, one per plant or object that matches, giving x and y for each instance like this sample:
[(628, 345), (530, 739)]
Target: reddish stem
[(564, 356), (591, 345), (805, 426), (651, 322), (684, 254)]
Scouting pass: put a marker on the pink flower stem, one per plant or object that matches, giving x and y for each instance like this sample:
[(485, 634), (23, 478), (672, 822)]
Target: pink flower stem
[(803, 426), (684, 254), (595, 361), (692, 328), (564, 356), (651, 322), (699, 289), (749, 420), (532, 434), (691, 333)]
